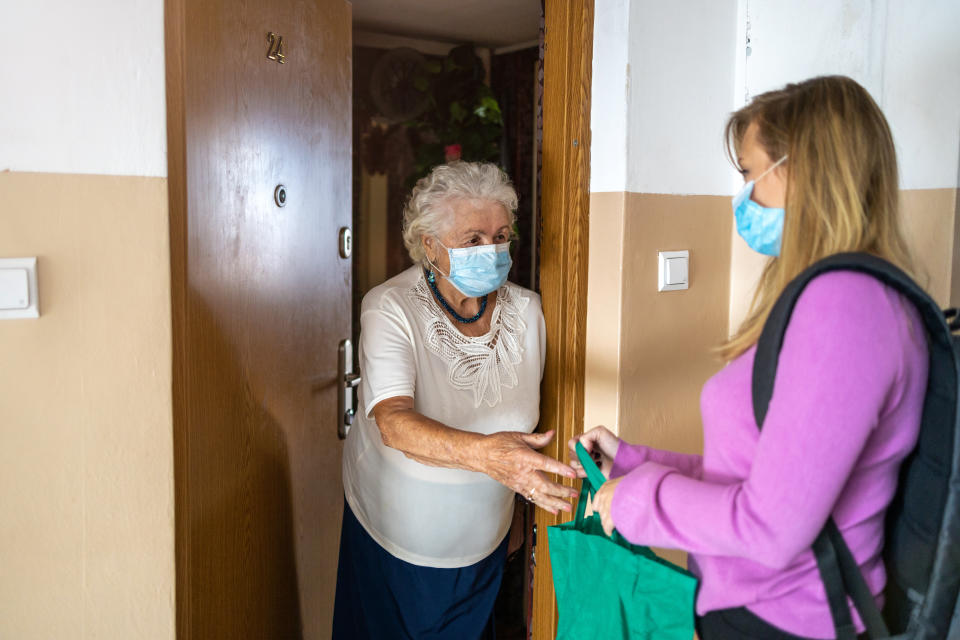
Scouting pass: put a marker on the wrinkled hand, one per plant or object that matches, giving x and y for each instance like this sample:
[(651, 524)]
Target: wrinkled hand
[(509, 458), (601, 444), (603, 501)]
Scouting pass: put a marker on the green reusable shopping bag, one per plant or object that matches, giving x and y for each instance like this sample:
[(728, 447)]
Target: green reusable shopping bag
[(608, 588)]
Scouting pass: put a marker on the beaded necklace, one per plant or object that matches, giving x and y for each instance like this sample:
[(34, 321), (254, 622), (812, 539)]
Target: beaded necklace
[(432, 281)]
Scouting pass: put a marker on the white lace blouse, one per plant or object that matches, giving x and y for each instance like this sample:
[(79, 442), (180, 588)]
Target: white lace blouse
[(426, 515)]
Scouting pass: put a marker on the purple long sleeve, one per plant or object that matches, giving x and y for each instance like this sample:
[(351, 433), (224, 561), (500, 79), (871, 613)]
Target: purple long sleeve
[(844, 413), (630, 456)]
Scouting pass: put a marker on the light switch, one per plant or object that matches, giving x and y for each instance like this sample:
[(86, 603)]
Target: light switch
[(18, 288), (676, 271), (14, 289), (673, 270)]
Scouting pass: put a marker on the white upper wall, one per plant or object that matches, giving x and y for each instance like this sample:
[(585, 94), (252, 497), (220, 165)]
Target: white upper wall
[(83, 87), (687, 68), (921, 90), (682, 80), (906, 53), (661, 95), (610, 96)]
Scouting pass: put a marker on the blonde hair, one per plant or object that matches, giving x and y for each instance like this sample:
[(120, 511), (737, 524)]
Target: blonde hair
[(427, 212), (842, 183)]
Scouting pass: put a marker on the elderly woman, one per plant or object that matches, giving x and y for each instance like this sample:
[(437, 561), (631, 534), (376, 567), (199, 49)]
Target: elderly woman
[(452, 356)]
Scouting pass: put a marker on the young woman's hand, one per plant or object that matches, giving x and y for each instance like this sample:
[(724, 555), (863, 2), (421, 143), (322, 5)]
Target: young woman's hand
[(603, 502), (600, 444)]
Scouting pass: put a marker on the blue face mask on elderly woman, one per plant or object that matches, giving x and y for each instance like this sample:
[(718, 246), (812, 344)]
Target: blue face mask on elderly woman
[(477, 271), (761, 227)]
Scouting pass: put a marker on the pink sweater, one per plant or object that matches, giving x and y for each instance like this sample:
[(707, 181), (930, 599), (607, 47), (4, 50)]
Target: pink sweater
[(845, 412)]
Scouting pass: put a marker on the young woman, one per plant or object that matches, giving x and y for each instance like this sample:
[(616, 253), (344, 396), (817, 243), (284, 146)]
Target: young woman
[(821, 178)]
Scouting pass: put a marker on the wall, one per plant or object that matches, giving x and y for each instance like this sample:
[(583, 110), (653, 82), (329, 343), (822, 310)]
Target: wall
[(665, 78), (83, 87), (661, 89), (662, 85), (908, 56), (86, 454)]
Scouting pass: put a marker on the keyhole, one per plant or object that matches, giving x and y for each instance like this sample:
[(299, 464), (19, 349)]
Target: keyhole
[(346, 242), (280, 195)]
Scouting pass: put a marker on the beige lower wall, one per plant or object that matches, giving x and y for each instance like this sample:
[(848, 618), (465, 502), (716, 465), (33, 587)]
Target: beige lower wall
[(930, 222), (86, 452), (604, 311), (649, 352), (668, 337), (955, 257)]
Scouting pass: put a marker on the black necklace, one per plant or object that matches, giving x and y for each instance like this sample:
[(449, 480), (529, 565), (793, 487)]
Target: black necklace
[(432, 281)]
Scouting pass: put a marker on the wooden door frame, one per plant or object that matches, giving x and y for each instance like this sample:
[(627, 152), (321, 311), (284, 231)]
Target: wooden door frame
[(565, 219), (565, 205), (174, 12)]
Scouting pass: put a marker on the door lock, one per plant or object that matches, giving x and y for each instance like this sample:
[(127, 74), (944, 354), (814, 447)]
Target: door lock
[(347, 380)]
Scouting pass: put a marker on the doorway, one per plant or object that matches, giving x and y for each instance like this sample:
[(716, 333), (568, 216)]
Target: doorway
[(427, 91), (255, 329), (558, 249)]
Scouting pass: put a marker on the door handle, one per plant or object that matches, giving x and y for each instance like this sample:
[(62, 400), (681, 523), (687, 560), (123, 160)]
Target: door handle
[(347, 379)]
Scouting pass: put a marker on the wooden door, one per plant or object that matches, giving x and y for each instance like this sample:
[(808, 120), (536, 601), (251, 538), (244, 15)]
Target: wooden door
[(261, 299)]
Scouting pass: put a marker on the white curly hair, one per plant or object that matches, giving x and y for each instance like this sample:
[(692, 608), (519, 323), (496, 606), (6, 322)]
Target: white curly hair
[(427, 212)]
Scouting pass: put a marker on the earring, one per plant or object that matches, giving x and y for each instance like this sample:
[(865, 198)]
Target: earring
[(432, 279)]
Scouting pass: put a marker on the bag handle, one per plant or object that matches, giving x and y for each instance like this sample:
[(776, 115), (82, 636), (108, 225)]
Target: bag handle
[(591, 484), (594, 475)]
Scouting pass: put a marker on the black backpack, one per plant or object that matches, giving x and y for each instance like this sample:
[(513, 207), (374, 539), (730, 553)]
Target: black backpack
[(922, 544)]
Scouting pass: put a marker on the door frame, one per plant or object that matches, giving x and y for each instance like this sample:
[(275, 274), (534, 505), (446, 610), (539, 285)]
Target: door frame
[(565, 220), (174, 12), (565, 206)]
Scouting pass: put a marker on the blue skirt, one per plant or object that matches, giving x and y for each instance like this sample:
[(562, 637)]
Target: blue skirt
[(380, 597)]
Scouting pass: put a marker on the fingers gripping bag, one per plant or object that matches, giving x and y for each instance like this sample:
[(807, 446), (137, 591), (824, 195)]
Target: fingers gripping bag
[(610, 589)]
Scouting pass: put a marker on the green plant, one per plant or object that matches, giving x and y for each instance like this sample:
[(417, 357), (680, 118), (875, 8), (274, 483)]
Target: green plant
[(462, 111)]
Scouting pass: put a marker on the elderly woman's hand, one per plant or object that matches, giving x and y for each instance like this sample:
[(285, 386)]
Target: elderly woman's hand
[(509, 458)]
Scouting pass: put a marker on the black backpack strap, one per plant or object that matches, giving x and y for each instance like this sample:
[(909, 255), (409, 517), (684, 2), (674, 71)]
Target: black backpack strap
[(841, 576), (829, 565), (838, 568), (853, 582)]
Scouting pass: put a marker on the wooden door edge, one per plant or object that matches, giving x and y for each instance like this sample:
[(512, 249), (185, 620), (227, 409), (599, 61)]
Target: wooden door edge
[(175, 55), (565, 206)]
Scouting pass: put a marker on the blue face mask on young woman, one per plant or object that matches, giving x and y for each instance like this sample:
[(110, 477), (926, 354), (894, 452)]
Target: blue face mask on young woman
[(477, 271), (761, 227)]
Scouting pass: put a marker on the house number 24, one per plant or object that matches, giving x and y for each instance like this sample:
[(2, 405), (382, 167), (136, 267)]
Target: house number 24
[(275, 48)]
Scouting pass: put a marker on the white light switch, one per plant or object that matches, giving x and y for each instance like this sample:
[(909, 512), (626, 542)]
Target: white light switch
[(14, 289), (673, 271), (676, 271), (18, 288)]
